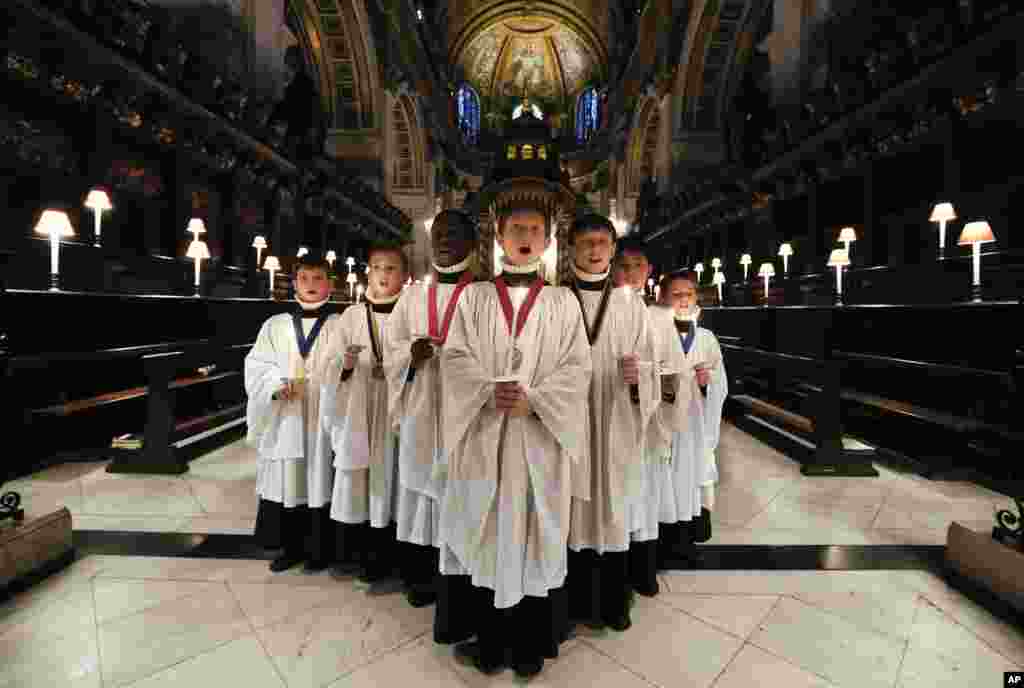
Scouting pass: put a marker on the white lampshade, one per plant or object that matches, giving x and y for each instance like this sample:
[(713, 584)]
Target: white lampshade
[(839, 257), (259, 242), (302, 252), (746, 259), (271, 263), (350, 261), (331, 257), (98, 200), (716, 263), (699, 267), (767, 269), (351, 279), (55, 222), (942, 212), (719, 278), (198, 249), (847, 234), (196, 226), (786, 250), (976, 233)]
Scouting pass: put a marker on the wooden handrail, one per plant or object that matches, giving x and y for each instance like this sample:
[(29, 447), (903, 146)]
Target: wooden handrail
[(944, 368), (29, 362)]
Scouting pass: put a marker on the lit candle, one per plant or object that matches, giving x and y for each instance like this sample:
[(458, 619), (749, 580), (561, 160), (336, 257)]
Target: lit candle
[(98, 201), (359, 293), (942, 213), (975, 234), (272, 265), (55, 223)]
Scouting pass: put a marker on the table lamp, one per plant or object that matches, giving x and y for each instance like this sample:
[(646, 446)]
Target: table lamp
[(197, 227), (767, 271), (98, 201), (351, 279), (303, 251), (839, 259), (56, 224), (699, 269), (847, 235), (259, 243), (198, 251), (718, 280), (716, 264), (745, 261), (975, 234), (786, 250), (331, 257), (272, 265), (942, 213)]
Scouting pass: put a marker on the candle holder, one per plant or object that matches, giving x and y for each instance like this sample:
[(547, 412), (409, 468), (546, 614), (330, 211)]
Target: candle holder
[(56, 225)]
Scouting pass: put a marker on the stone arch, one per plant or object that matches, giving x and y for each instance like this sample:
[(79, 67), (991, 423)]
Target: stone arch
[(408, 173), (645, 141), (336, 34)]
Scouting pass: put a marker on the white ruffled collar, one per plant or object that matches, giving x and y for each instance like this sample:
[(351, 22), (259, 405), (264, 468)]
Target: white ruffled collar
[(382, 301), (508, 267), (306, 306), (585, 276), (458, 267)]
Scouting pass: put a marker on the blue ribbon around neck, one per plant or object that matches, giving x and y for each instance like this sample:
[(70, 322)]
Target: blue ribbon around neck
[(306, 343)]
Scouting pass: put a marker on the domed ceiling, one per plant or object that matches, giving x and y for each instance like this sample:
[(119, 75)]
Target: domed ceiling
[(536, 55)]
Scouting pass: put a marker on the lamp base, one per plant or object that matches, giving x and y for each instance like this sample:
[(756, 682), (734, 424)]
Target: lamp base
[(197, 293), (837, 299), (976, 293), (54, 282), (942, 253)]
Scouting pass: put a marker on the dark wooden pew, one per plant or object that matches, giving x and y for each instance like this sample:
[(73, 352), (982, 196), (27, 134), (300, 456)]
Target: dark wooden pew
[(937, 387), (82, 369)]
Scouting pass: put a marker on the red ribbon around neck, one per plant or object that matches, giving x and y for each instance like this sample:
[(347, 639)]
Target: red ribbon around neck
[(524, 310), (442, 335)]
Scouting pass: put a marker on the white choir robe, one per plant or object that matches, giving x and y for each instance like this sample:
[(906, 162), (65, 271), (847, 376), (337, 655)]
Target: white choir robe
[(505, 514), (618, 426), (415, 410), (692, 471), (666, 420), (355, 413), (293, 447)]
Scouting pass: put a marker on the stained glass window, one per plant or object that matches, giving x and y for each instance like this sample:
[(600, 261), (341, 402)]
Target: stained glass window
[(467, 105), (587, 115)]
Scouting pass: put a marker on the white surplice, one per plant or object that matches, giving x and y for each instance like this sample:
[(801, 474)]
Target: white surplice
[(691, 472), (618, 426), (355, 413), (415, 409), (667, 419), (506, 508), (294, 451)]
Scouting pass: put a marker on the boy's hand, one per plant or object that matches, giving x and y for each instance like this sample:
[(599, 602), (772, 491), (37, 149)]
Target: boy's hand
[(421, 350), (351, 358), (507, 395)]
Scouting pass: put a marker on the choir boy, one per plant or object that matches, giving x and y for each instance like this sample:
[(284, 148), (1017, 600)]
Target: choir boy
[(356, 415), (416, 333), (283, 372), (688, 492), (636, 269), (516, 369), (622, 400)]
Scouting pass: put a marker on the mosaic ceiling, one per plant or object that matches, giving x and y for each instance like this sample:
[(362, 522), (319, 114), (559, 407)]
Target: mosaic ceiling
[(534, 55)]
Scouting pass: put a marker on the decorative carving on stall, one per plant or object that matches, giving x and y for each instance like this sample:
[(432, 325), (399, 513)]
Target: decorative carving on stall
[(1009, 528)]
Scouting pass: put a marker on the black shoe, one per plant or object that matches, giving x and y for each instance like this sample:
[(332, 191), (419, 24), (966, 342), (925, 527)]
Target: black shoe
[(314, 566), (452, 637), (472, 652), (285, 562), (702, 526), (418, 597), (619, 623), (648, 590), (526, 668)]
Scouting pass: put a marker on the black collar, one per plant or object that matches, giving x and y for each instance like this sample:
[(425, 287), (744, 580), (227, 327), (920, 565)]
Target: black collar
[(519, 279), (315, 313), (591, 286), (384, 307), (449, 277)]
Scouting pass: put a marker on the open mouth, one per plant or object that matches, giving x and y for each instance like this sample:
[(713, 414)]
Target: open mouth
[(525, 250)]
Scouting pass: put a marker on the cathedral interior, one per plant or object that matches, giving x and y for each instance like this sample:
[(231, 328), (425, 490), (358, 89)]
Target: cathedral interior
[(828, 168)]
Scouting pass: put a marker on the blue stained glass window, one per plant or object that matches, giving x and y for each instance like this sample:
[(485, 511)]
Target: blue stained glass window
[(587, 115), (468, 114)]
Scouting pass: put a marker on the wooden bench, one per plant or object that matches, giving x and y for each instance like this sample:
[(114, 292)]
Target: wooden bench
[(170, 438), (814, 434), (94, 396)]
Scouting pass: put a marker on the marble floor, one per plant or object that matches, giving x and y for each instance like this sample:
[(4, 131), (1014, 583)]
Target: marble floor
[(144, 622), (762, 499)]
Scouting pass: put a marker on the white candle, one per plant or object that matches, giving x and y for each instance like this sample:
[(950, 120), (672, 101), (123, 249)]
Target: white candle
[(197, 271), (259, 253), (839, 280), (785, 265), (97, 217), (719, 292), (976, 255)]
